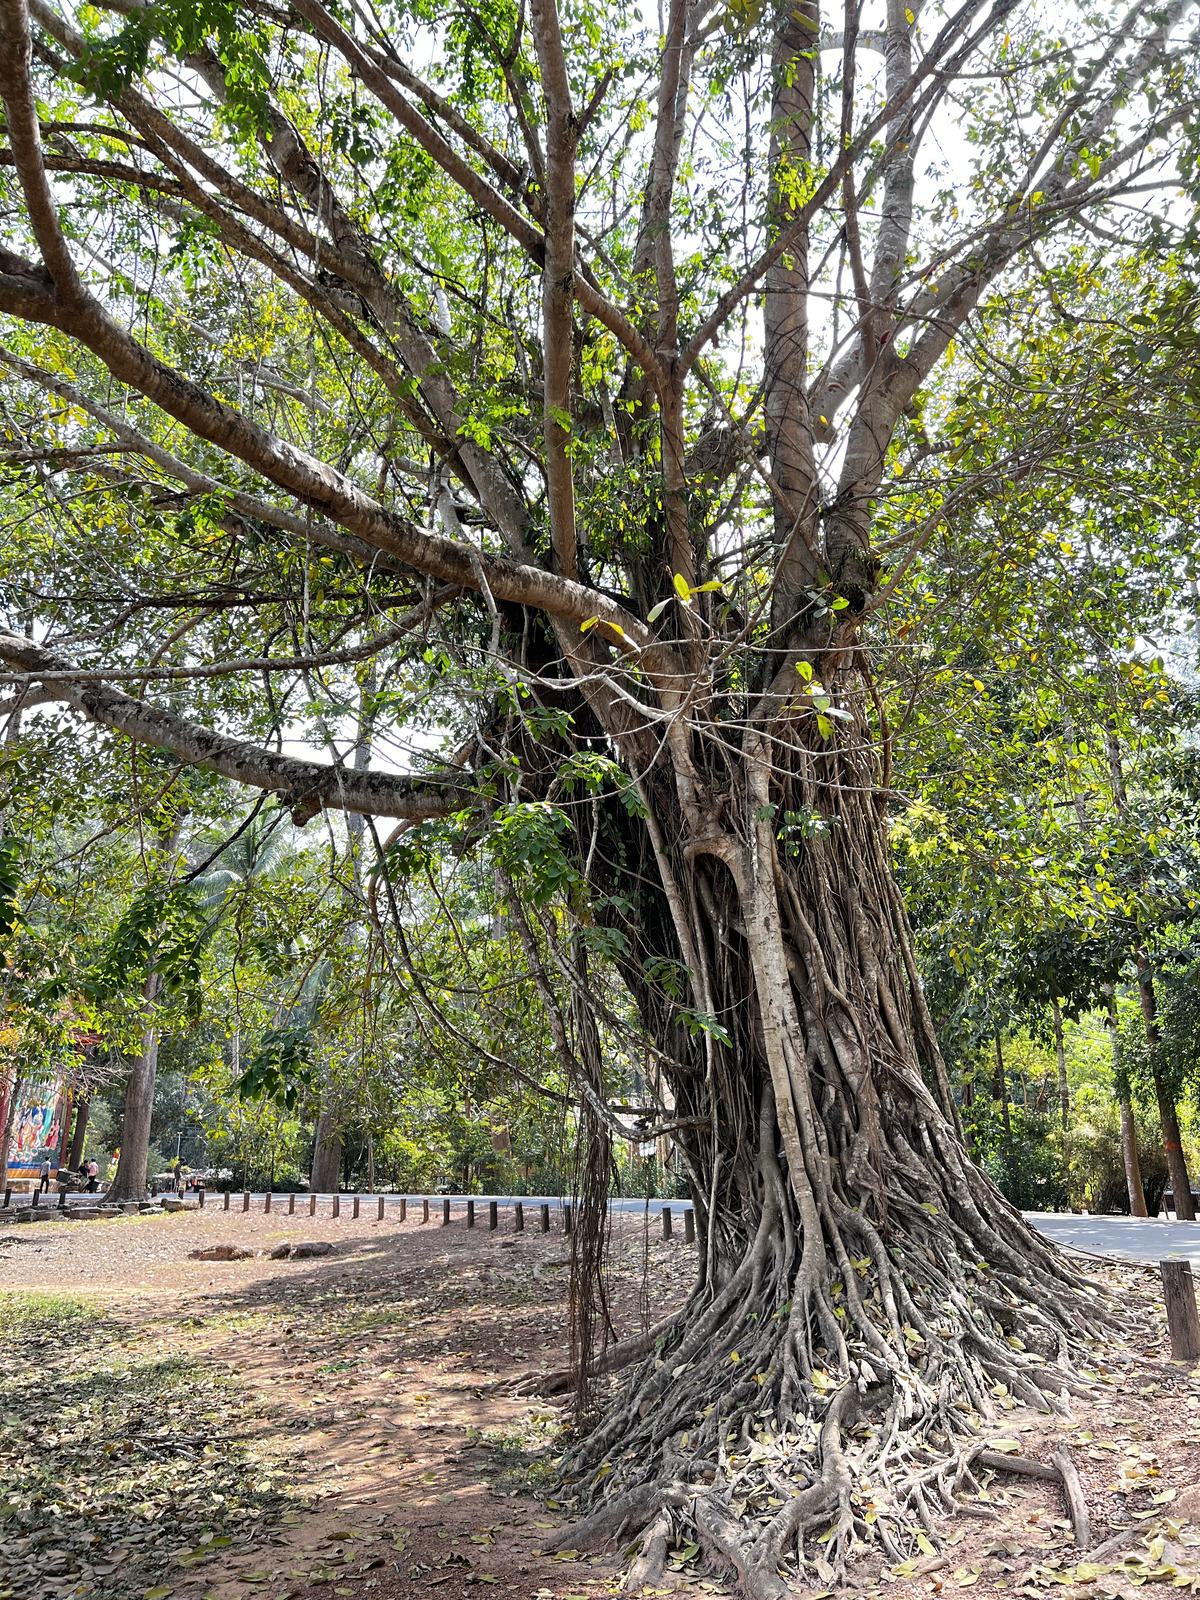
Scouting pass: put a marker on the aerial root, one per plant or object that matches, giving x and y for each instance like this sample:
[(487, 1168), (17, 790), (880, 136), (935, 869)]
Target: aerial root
[(651, 1558), (628, 1513)]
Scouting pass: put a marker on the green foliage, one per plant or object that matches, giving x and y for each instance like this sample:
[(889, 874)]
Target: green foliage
[(530, 843), (161, 931), (1028, 1163), (281, 1069), (10, 884)]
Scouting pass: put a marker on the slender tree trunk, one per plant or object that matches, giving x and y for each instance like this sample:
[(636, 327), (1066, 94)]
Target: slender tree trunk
[(1129, 1153), (1000, 1090), (327, 1157), (81, 1122), (15, 1082), (1060, 1055), (1168, 1116), (130, 1181), (64, 1141), (1129, 1145)]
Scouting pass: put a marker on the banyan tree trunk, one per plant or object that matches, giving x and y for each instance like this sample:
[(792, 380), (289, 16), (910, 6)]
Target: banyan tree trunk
[(857, 1266)]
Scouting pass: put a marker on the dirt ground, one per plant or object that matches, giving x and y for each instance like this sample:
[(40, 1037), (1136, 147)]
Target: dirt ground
[(371, 1413)]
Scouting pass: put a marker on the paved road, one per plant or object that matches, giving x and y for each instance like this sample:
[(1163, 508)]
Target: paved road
[(1130, 1238)]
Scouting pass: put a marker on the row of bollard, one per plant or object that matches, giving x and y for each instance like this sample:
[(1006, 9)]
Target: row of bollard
[(689, 1216)]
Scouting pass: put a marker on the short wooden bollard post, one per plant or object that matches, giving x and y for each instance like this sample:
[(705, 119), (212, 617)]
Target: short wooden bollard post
[(381, 1208), (470, 1213), (291, 1205), (337, 1205), (445, 1213), (245, 1199), (544, 1219), (1179, 1292), (62, 1199), (37, 1198), (666, 1222), (493, 1215), (425, 1211), (312, 1205), (356, 1206), (519, 1217), (267, 1204), (227, 1200), (568, 1219), (7, 1195), (689, 1227), (404, 1208), (200, 1195)]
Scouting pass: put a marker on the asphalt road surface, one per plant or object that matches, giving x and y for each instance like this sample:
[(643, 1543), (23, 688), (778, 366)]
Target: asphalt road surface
[(1131, 1238)]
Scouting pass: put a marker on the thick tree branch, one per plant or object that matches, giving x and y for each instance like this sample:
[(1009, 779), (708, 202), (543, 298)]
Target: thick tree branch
[(306, 785), (323, 487)]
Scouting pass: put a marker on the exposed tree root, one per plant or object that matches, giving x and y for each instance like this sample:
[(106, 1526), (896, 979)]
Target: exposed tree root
[(615, 1359), (787, 1442), (1076, 1503), (648, 1568)]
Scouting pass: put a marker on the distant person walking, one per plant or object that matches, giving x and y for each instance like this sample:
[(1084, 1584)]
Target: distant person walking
[(44, 1186), (93, 1172)]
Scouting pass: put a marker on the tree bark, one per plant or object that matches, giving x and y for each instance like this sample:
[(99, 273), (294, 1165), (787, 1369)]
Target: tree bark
[(824, 1160), (12, 1095), (64, 1137), (1168, 1116), (1060, 1056), (130, 1181), (1129, 1153), (326, 1174), (77, 1139), (1129, 1145)]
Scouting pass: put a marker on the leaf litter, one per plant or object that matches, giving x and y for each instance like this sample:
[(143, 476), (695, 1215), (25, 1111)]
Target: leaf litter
[(122, 1462)]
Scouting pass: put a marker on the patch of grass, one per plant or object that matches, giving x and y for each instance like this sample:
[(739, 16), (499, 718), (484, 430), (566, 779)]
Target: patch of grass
[(40, 1316), (525, 1451)]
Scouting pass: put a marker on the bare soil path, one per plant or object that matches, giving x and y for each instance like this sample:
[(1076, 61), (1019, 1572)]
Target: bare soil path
[(355, 1424)]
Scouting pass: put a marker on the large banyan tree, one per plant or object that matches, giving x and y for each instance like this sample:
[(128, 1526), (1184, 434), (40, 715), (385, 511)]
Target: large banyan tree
[(599, 344)]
